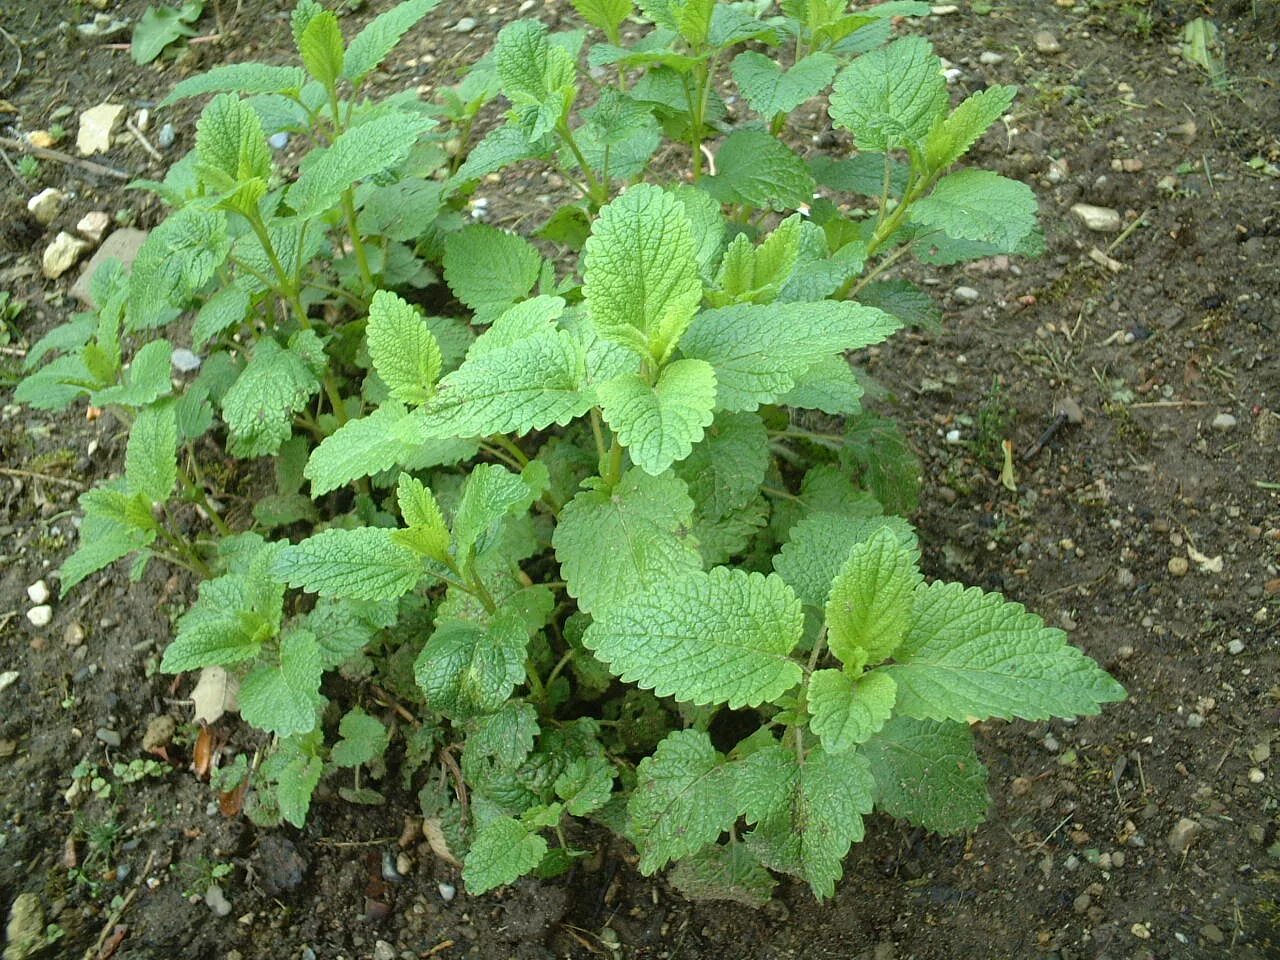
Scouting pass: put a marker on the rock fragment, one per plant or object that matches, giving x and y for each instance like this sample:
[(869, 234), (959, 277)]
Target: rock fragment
[(46, 205), (40, 616), (93, 226), (1183, 834), (38, 592), (61, 255), (1098, 219), (96, 127), (1224, 422), (1046, 42)]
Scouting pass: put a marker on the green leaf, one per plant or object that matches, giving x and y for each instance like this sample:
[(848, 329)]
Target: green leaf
[(928, 773), (365, 563), (231, 152), (359, 153), (612, 545), (725, 470), (303, 12), (151, 458), (364, 738), (706, 219), (102, 542), (659, 425), (528, 385), (871, 599), (718, 637), (848, 711), (969, 654), (503, 850), (818, 546), (343, 628), (117, 506), (605, 15), (811, 834), (892, 96), (226, 308), (684, 798), (491, 493), (728, 872), (755, 169), (426, 531), (259, 407), (402, 348), (640, 276), (830, 385), (979, 205), (757, 274), (295, 784), (174, 263), (147, 378), (285, 699), (159, 27), (500, 148), (949, 140), (507, 736), (234, 615), (321, 48), (760, 352), (359, 448), (526, 319), (537, 76), (380, 36), (469, 668), (489, 269), (879, 451), (586, 785), (243, 78), (913, 306), (770, 90)]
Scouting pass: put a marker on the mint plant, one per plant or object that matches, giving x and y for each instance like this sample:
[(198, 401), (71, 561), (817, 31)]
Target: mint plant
[(611, 536)]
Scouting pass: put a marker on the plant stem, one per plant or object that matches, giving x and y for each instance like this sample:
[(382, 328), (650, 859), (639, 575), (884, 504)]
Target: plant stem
[(563, 662), (357, 244), (477, 585), (599, 435), (596, 191), (506, 444)]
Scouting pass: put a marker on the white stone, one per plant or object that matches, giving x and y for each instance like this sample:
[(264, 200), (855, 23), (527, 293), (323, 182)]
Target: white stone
[(944, 10), (46, 205), (1099, 219), (40, 616), (96, 125), (61, 255), (183, 360), (93, 226), (1046, 42), (1235, 647), (465, 25), (965, 294), (1224, 421), (991, 58), (38, 592)]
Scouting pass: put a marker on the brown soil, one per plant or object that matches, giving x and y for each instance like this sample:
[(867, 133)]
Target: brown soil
[(1075, 860)]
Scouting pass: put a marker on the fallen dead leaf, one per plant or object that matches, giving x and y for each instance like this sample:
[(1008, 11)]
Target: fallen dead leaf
[(215, 694), (435, 838), (1206, 564)]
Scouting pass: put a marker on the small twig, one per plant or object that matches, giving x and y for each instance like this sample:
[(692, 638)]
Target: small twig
[(96, 950), (1045, 841), (18, 48), (143, 141), (13, 351), (17, 175), (1149, 404), (45, 153), (64, 481), (1124, 235), (440, 947)]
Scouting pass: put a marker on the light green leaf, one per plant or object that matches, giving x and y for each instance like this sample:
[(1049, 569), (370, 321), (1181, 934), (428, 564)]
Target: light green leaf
[(296, 783), (684, 798), (492, 492), (756, 169), (818, 546), (151, 458), (321, 48), (385, 438), (928, 773), (489, 269), (226, 308), (231, 152), (718, 637), (969, 654), (605, 15), (469, 668), (174, 263), (500, 148), (343, 628), (830, 385), (770, 90), (234, 615), (379, 37), (846, 711), (756, 274), (641, 280), (259, 407), (146, 380), (159, 27), (725, 470), (504, 850), (537, 76), (243, 78), (528, 385), (426, 531), (402, 348), (358, 154), (612, 545), (363, 739), (949, 140), (302, 14), (871, 598), (507, 736), (727, 872), (892, 96), (360, 564), (760, 352), (659, 425), (285, 699), (102, 542), (117, 506), (706, 219), (529, 318), (979, 205), (585, 785)]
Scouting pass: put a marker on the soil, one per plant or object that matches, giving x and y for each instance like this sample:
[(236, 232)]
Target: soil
[(1150, 531)]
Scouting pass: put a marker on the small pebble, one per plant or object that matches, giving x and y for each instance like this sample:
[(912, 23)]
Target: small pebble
[(1235, 647), (1256, 776), (1183, 834), (1178, 566), (166, 136), (465, 25), (216, 900), (1125, 578), (1046, 42), (1098, 219), (93, 225), (965, 294), (953, 436), (1212, 933), (1082, 903), (1117, 859), (383, 950), (278, 141), (109, 737), (1195, 721), (38, 592), (40, 616), (1051, 744), (447, 891), (991, 58), (404, 864), (46, 205), (1141, 930), (1224, 421), (183, 360)]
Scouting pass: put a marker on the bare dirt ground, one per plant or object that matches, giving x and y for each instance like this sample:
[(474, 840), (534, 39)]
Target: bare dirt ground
[(1150, 531)]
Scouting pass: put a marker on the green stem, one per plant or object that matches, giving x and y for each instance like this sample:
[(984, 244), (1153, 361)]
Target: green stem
[(563, 662), (614, 473), (357, 244), (507, 445), (596, 191), (601, 452), (195, 487), (478, 588), (536, 686)]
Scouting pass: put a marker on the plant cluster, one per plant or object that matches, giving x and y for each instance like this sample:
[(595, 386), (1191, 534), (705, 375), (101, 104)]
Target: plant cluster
[(604, 535)]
